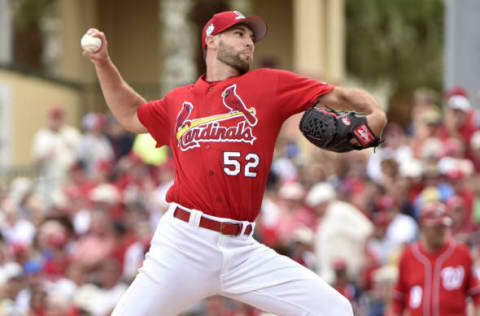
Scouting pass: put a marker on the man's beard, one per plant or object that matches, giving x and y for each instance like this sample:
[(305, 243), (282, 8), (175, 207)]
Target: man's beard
[(228, 56)]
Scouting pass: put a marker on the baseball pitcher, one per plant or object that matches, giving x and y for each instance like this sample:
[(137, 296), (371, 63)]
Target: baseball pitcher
[(221, 130)]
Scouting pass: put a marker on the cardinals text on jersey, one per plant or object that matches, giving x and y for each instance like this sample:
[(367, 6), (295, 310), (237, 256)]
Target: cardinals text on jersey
[(216, 128)]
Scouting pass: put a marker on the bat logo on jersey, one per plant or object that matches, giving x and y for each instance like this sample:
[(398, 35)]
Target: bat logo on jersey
[(191, 132), (452, 278)]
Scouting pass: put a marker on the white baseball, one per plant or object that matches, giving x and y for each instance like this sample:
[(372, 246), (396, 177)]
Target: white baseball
[(90, 43)]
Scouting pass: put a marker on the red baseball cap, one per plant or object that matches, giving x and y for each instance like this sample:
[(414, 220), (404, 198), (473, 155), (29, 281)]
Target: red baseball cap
[(435, 214), (56, 112), (381, 219), (454, 202), (339, 264), (225, 20), (385, 202), (455, 91)]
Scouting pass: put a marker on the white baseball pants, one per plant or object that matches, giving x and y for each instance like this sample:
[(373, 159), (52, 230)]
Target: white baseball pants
[(187, 263)]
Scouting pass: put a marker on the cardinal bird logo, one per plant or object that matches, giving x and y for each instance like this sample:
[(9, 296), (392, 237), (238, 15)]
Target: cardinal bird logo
[(183, 115), (233, 102)]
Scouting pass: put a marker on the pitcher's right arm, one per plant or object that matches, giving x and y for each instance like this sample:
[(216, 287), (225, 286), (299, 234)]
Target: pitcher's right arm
[(122, 100)]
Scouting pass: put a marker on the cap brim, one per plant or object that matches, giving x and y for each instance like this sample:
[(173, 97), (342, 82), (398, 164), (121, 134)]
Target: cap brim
[(258, 26), (459, 103), (460, 108), (446, 222)]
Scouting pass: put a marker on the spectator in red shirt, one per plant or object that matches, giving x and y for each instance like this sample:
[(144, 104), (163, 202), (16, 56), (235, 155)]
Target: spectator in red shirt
[(460, 229), (475, 150), (459, 121), (342, 283)]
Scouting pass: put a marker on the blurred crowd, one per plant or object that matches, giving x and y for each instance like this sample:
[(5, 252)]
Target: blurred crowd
[(73, 236)]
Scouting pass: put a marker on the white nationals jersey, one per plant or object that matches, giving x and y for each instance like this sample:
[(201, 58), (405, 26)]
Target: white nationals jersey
[(222, 135)]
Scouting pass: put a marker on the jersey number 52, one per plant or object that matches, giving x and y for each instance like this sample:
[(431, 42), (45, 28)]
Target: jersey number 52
[(232, 165)]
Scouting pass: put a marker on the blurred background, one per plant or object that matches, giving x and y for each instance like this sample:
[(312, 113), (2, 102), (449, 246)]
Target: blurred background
[(80, 197)]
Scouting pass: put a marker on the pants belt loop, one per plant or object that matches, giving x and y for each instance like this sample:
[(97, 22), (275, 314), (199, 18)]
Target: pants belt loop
[(171, 208), (253, 229), (244, 227), (195, 216)]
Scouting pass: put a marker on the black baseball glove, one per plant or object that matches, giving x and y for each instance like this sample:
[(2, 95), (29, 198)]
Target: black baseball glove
[(334, 131)]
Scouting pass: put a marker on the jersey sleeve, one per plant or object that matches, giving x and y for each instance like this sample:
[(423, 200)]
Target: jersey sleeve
[(296, 93), (400, 289), (153, 115)]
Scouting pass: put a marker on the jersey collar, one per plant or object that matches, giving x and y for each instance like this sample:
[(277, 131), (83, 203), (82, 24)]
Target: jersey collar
[(201, 84), (431, 254)]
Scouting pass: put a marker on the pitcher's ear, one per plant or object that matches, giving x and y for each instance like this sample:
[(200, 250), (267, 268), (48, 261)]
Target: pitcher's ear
[(210, 41)]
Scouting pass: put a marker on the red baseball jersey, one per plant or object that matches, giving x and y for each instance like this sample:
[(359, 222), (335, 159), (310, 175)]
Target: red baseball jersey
[(435, 283), (222, 135)]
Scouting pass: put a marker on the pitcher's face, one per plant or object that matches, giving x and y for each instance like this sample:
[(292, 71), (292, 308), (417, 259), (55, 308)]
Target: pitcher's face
[(236, 47)]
